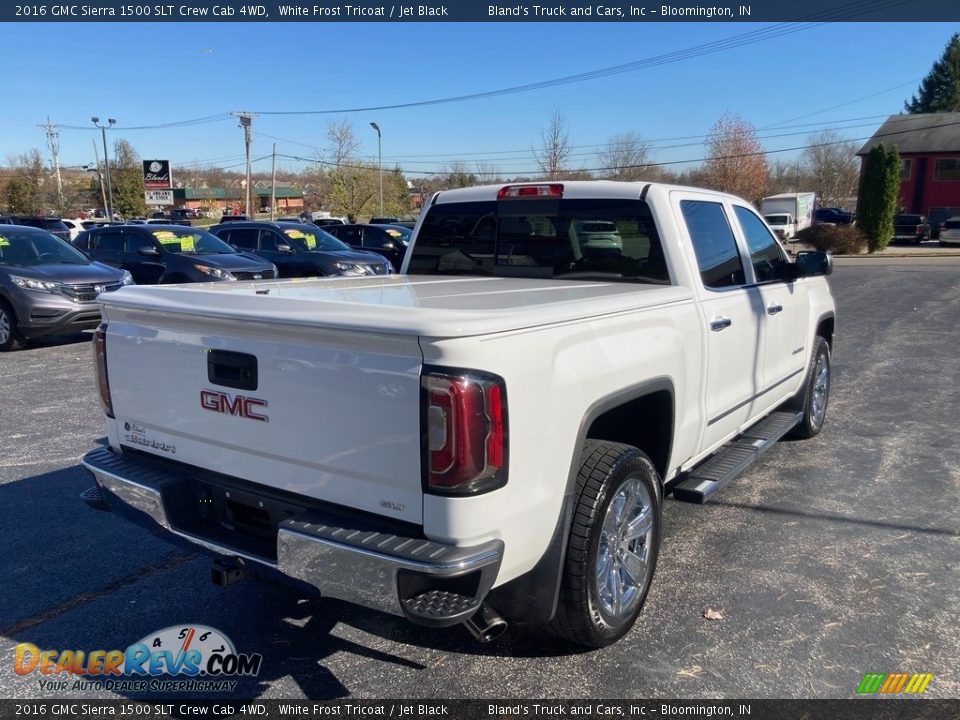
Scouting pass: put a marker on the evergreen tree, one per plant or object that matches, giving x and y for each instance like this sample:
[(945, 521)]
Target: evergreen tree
[(126, 177), (878, 196), (940, 89)]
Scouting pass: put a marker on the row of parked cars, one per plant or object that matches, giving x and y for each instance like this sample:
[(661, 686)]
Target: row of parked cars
[(915, 228), (49, 286)]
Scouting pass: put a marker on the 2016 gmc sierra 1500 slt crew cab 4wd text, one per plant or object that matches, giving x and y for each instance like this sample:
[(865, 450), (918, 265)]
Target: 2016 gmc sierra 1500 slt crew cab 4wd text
[(490, 433)]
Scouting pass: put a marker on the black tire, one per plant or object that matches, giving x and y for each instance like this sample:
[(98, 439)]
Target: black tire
[(608, 472), (10, 336), (815, 390)]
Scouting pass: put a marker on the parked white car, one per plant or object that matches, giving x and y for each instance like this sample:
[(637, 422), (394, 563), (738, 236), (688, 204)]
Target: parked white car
[(950, 231)]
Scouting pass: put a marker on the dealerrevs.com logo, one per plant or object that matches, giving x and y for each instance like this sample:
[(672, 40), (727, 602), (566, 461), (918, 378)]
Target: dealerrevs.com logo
[(187, 658)]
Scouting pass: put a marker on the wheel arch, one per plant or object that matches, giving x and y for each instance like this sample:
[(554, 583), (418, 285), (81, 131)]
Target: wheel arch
[(826, 325), (534, 595)]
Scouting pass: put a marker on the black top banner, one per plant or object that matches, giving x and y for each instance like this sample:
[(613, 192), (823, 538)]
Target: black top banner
[(486, 11)]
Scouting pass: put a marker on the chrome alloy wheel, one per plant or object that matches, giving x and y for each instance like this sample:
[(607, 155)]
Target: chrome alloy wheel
[(623, 569), (821, 389)]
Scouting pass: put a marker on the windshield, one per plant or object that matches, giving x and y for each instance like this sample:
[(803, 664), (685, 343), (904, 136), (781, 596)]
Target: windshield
[(192, 242), (400, 234), (951, 224), (908, 220), (542, 238), (776, 219), (26, 247), (313, 238)]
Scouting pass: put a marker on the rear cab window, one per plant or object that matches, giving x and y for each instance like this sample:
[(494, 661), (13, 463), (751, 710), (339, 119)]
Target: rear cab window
[(591, 239)]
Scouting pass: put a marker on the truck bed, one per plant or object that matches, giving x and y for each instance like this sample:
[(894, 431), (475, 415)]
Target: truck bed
[(402, 305)]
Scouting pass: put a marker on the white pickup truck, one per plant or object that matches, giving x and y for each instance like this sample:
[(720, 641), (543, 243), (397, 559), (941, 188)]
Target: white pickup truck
[(489, 433)]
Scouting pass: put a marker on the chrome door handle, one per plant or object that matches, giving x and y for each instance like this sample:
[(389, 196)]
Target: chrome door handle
[(720, 323), (774, 309)]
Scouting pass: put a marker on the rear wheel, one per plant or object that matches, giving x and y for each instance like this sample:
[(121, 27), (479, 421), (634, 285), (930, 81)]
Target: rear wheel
[(10, 337), (613, 545)]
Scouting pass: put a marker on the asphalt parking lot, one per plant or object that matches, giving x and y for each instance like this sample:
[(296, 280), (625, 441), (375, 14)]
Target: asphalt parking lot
[(831, 558)]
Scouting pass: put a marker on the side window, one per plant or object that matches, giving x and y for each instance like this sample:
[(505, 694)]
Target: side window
[(766, 256), (713, 243), (350, 235), (269, 240), (135, 242), (108, 242), (373, 237), (243, 238)]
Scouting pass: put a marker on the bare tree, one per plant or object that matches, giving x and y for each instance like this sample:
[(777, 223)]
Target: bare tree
[(554, 147), (832, 166), (343, 142), (455, 174), (626, 157), (736, 162), (487, 172), (786, 177), (27, 188)]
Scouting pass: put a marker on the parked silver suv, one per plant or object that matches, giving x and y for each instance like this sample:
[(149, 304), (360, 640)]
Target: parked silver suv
[(47, 287)]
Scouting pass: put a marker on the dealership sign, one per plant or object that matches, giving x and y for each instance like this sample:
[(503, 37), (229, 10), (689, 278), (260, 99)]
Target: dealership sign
[(156, 175), (158, 197)]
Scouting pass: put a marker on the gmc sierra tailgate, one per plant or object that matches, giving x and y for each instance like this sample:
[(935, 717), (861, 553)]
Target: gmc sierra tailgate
[(331, 414)]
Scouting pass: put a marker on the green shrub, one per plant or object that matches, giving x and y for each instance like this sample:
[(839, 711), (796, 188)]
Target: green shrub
[(837, 239)]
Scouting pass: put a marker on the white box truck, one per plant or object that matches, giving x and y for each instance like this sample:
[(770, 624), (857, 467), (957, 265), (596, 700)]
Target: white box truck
[(788, 213)]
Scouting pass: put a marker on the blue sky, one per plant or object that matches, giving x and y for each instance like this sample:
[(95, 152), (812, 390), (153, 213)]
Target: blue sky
[(158, 73)]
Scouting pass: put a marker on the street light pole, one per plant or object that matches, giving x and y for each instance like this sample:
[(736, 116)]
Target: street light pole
[(106, 161), (379, 161)]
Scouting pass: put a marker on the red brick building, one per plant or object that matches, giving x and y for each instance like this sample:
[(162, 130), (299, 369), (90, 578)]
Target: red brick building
[(929, 147)]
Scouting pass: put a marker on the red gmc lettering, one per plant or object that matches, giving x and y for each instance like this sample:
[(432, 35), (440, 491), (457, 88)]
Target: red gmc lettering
[(241, 406)]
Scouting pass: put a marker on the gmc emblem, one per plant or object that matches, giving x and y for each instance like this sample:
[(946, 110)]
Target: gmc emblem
[(239, 405)]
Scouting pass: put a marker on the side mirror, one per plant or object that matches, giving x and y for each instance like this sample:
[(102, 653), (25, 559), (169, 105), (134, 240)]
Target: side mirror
[(284, 248), (813, 262), (149, 251)]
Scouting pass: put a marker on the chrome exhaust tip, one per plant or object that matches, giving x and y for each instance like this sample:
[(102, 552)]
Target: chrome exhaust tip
[(486, 625)]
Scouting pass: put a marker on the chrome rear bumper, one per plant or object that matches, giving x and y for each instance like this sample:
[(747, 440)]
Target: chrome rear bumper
[(340, 559)]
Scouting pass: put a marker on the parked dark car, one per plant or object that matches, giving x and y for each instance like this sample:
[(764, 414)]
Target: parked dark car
[(391, 241), (301, 250), (53, 225), (835, 215), (171, 254), (325, 222), (402, 222), (234, 218), (47, 287), (908, 227)]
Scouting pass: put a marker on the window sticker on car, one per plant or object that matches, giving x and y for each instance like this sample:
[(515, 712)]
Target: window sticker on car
[(4, 241), (393, 233), (169, 238), (309, 238)]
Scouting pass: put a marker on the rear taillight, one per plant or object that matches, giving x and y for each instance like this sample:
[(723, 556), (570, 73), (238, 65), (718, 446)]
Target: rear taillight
[(465, 432), (100, 362)]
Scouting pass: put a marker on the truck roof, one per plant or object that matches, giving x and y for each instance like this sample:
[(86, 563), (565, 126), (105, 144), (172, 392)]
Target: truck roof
[(575, 189)]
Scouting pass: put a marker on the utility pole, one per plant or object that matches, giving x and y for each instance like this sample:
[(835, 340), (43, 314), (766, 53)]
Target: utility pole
[(273, 181), (53, 142), (103, 190), (246, 122), (106, 161)]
